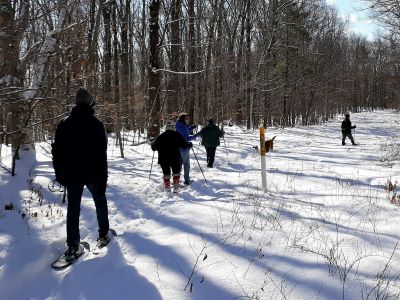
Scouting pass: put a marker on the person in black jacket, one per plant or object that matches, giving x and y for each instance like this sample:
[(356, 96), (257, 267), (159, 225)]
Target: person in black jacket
[(346, 130), (80, 158), (210, 135), (169, 157)]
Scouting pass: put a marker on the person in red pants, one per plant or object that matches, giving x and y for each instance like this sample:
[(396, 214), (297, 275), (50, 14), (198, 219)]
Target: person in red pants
[(169, 158)]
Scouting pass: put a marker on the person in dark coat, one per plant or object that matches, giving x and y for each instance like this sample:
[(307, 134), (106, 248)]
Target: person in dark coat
[(210, 135), (80, 158), (169, 157), (184, 129), (346, 130)]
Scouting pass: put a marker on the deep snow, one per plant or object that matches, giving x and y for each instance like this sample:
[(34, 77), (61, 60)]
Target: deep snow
[(325, 229)]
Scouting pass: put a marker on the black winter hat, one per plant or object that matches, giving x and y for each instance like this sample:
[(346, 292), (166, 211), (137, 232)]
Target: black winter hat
[(83, 97), (182, 116)]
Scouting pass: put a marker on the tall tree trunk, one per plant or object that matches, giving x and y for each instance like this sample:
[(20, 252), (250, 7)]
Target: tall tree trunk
[(126, 80), (107, 58), (206, 94), (250, 88), (239, 66), (175, 63), (93, 35), (117, 112), (153, 105), (218, 88), (192, 62), (9, 72)]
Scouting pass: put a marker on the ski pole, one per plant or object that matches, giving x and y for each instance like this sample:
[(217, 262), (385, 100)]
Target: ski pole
[(64, 194), (151, 167), (199, 166), (226, 151)]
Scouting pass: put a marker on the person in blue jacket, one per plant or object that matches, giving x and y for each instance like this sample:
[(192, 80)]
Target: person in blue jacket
[(184, 129)]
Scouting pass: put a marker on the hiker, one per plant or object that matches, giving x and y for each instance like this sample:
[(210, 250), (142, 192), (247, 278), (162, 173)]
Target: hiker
[(169, 157), (184, 129), (346, 130), (210, 135), (80, 158)]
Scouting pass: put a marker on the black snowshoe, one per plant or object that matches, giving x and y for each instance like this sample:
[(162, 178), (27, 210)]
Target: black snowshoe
[(69, 257), (103, 242)]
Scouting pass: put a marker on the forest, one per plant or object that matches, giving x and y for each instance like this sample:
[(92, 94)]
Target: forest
[(250, 62)]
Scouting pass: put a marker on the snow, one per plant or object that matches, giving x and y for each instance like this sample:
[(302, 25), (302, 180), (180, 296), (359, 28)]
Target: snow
[(8, 80), (325, 228)]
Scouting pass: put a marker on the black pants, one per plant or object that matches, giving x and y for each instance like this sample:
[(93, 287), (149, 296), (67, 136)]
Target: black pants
[(167, 166), (210, 156), (349, 135), (74, 192)]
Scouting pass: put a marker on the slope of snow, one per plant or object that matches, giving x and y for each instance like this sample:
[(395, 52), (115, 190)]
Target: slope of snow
[(325, 229)]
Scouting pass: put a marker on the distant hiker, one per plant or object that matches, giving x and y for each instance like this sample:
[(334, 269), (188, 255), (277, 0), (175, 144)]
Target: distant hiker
[(183, 128), (346, 130), (80, 158), (210, 140), (169, 157)]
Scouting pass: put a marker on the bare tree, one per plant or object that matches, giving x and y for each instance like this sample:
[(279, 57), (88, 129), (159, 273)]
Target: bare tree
[(153, 106)]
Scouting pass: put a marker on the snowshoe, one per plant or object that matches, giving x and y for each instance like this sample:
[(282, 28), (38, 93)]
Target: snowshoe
[(70, 256), (103, 242)]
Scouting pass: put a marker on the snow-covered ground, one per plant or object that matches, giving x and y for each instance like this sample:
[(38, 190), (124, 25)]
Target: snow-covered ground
[(325, 228)]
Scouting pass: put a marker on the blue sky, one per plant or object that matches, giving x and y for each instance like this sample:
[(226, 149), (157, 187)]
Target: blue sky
[(355, 11)]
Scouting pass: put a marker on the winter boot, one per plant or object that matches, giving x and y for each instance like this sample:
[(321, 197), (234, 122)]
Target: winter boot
[(73, 252), (176, 179), (103, 241), (167, 183), (188, 182)]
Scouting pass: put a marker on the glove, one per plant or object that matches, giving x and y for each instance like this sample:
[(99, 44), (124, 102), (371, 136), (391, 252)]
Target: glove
[(190, 145), (354, 126)]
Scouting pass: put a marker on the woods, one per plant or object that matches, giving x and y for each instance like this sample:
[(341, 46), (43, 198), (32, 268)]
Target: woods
[(280, 62)]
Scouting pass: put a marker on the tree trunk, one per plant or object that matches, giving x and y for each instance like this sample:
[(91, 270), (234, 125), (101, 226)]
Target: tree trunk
[(9, 71), (107, 58), (117, 112), (175, 63), (192, 57), (153, 105)]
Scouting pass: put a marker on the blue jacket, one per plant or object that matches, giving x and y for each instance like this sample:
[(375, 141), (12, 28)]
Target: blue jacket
[(184, 130)]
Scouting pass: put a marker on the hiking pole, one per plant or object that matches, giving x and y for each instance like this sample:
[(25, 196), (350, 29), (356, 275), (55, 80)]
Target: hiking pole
[(64, 194), (226, 151), (151, 167), (200, 166)]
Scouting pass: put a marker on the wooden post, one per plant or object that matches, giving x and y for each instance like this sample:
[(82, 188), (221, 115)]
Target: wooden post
[(263, 163)]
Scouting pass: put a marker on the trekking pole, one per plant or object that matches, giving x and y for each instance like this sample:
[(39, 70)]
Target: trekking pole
[(64, 195), (200, 166), (226, 151), (151, 167)]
